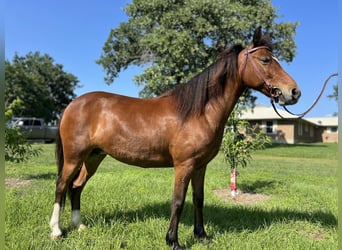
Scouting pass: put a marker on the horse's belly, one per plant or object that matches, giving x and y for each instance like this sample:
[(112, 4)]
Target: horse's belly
[(142, 161), (141, 155)]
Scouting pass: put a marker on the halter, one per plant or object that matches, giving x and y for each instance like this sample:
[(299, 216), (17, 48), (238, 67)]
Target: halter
[(276, 92)]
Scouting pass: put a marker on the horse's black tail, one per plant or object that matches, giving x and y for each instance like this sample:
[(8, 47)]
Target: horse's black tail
[(59, 152), (60, 161)]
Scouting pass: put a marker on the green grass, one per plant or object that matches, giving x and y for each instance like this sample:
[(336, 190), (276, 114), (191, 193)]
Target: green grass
[(128, 208)]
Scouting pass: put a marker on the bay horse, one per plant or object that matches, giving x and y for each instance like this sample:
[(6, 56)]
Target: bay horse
[(182, 128)]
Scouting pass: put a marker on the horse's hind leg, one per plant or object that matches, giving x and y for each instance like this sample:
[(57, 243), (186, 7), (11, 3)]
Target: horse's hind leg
[(65, 176), (87, 170)]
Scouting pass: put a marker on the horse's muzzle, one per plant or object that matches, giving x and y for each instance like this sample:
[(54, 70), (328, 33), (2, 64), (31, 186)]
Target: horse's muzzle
[(288, 98)]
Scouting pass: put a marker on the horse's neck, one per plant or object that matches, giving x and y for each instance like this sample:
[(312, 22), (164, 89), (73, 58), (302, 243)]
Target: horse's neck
[(218, 111), (232, 94)]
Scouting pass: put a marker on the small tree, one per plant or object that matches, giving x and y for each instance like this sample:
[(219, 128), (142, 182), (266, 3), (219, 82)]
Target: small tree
[(17, 149), (237, 144), (334, 96)]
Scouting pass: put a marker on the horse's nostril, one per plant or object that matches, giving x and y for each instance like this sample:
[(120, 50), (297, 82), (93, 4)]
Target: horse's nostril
[(296, 93)]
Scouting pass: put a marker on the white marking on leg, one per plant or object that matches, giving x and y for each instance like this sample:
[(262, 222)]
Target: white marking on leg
[(54, 222), (76, 220)]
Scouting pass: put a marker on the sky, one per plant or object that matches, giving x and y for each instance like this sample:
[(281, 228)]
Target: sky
[(74, 32)]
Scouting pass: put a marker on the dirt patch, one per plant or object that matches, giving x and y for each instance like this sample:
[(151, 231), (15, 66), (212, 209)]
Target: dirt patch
[(16, 182), (316, 235), (319, 235), (243, 198)]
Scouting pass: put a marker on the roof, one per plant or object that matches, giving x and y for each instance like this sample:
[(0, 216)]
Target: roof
[(324, 121), (263, 112)]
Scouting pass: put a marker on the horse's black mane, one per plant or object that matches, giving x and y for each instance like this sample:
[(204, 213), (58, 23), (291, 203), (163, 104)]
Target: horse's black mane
[(192, 97)]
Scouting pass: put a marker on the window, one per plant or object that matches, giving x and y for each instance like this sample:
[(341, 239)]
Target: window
[(332, 130), (269, 127), (300, 128), (36, 123), (306, 128), (27, 122)]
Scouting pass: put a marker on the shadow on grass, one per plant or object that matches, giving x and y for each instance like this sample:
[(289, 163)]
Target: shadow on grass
[(255, 186), (236, 218), (296, 145), (45, 176), (252, 218), (225, 219)]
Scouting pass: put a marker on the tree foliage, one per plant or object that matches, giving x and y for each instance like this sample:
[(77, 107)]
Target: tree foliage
[(334, 95), (176, 39), (42, 86), (34, 86), (237, 144), (17, 149)]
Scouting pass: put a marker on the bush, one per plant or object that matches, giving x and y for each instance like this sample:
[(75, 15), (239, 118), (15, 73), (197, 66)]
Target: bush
[(17, 149)]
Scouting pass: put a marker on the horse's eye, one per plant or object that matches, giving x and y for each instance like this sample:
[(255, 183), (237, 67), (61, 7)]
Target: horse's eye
[(265, 60)]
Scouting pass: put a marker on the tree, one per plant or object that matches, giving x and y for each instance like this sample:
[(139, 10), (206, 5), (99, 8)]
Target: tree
[(334, 95), (34, 86), (44, 87), (237, 144), (176, 39)]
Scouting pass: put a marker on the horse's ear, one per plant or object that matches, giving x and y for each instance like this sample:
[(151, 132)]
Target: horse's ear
[(257, 35)]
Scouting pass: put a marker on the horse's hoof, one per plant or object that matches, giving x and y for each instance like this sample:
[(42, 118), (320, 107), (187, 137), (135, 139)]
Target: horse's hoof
[(206, 239), (178, 247), (56, 235), (175, 246), (82, 227), (203, 238)]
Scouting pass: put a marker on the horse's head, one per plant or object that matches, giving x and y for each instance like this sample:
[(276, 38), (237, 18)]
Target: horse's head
[(260, 70)]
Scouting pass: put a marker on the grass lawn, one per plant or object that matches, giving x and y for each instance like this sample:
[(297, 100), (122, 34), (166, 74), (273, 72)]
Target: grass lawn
[(126, 207)]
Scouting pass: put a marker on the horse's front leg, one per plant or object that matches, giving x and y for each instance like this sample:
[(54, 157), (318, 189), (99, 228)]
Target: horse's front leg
[(181, 182), (197, 182)]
